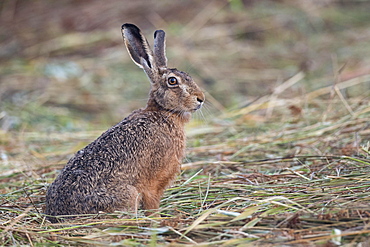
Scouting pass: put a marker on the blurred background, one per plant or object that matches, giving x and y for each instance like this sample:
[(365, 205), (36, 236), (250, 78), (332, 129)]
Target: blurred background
[(63, 65)]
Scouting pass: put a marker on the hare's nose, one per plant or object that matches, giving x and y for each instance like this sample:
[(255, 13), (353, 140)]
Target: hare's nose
[(200, 98)]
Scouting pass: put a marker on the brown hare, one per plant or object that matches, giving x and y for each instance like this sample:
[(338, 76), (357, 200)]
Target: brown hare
[(130, 165)]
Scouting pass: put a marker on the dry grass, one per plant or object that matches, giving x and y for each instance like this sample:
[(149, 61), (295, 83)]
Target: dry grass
[(285, 163), (298, 183)]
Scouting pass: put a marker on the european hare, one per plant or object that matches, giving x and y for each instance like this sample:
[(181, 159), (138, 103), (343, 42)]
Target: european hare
[(130, 165)]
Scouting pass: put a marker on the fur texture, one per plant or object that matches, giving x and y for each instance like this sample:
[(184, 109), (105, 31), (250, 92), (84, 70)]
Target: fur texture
[(130, 165)]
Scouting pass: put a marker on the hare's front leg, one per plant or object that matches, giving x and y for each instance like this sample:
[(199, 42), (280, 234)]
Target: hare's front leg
[(151, 199)]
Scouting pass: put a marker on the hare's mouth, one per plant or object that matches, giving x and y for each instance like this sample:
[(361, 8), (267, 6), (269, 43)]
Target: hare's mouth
[(200, 104), (195, 108)]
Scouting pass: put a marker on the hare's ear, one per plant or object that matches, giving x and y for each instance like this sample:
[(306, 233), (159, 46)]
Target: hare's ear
[(160, 49), (138, 48)]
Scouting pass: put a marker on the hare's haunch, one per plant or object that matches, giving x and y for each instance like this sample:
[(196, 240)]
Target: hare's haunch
[(130, 165)]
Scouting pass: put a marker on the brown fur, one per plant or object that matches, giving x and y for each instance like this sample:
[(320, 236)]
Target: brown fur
[(131, 164)]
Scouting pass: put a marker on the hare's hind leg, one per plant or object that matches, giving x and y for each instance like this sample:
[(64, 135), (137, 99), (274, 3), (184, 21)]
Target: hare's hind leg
[(126, 198)]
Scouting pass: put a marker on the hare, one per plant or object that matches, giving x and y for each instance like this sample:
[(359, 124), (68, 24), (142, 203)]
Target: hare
[(130, 165)]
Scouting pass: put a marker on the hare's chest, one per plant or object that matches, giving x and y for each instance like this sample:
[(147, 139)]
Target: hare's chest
[(177, 140)]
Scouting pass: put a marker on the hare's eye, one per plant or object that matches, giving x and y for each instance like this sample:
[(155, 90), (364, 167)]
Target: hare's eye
[(172, 81)]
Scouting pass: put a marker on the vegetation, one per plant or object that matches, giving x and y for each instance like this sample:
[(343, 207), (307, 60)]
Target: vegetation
[(279, 156)]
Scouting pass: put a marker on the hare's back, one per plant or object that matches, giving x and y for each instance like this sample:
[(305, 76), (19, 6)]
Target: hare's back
[(131, 144)]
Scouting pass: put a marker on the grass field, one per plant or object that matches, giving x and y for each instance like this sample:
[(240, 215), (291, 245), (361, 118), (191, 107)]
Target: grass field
[(279, 155)]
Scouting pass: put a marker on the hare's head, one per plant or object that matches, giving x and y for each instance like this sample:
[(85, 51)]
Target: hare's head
[(171, 89)]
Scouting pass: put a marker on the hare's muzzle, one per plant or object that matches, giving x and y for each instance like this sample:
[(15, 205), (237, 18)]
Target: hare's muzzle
[(200, 101)]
